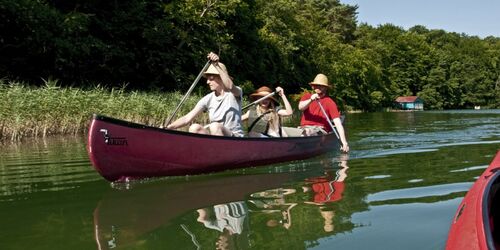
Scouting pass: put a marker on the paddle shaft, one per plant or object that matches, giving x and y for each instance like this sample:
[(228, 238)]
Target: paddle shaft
[(328, 119), (259, 100), (188, 93)]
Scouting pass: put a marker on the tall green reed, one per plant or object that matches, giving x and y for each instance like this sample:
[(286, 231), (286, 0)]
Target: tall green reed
[(38, 112)]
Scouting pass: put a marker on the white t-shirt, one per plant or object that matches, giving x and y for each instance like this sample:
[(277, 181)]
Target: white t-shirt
[(225, 109)]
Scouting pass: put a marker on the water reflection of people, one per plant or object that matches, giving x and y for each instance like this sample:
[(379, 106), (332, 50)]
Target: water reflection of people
[(273, 201), (328, 188), (225, 241), (286, 217), (226, 218), (328, 217)]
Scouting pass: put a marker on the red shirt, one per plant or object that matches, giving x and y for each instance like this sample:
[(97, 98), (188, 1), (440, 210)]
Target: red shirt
[(314, 116)]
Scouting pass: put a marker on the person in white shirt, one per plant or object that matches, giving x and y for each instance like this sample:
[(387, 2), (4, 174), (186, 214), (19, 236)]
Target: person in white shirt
[(223, 104)]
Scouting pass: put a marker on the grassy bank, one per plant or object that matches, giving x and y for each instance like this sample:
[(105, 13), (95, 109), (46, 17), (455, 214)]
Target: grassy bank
[(39, 112)]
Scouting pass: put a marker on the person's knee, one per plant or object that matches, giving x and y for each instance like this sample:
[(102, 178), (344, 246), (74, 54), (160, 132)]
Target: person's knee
[(197, 128), (194, 128)]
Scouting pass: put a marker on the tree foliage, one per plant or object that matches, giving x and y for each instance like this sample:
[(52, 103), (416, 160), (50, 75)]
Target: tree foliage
[(163, 44)]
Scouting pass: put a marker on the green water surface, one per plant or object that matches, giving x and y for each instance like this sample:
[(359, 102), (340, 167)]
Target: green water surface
[(398, 188)]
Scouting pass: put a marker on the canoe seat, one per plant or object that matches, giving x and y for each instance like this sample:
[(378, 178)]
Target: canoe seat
[(292, 132)]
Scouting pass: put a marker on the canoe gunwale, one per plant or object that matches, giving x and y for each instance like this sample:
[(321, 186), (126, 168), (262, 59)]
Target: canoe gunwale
[(486, 207), (184, 133)]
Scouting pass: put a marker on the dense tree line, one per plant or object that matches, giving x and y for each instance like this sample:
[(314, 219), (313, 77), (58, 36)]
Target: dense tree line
[(162, 45)]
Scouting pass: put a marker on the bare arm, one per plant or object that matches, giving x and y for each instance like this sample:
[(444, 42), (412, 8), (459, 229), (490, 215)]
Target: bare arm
[(245, 116), (303, 105), (340, 129), (228, 83), (186, 119), (224, 75), (288, 111)]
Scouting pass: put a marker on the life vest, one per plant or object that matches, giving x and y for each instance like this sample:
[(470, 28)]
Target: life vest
[(260, 123), (257, 123)]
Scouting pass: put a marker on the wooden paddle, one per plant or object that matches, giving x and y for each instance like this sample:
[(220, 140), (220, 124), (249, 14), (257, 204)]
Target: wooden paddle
[(259, 100), (187, 93), (328, 119)]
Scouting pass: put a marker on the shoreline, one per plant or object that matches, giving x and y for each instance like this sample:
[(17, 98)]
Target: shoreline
[(39, 112)]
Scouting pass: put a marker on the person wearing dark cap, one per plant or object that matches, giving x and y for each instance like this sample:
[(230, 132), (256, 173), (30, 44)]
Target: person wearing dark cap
[(313, 121), (223, 104), (264, 120)]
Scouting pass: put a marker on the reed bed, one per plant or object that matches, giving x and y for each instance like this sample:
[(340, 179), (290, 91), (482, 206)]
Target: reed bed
[(38, 112)]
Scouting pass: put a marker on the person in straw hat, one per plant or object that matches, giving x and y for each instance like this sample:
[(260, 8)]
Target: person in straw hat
[(264, 120), (223, 104), (313, 121)]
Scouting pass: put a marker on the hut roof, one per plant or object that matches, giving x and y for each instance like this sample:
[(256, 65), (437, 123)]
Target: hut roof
[(407, 99)]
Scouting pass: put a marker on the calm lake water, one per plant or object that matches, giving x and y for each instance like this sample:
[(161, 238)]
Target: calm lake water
[(398, 188)]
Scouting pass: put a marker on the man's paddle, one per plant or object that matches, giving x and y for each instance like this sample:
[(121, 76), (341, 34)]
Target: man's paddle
[(328, 119), (188, 93), (259, 100)]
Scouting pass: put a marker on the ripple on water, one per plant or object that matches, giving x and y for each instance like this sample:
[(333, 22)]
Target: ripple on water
[(420, 192), (426, 133), (31, 167), (469, 169), (415, 180), (378, 177)]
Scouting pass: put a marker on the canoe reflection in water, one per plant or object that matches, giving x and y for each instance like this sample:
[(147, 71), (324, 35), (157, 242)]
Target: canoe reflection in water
[(122, 217), (208, 210)]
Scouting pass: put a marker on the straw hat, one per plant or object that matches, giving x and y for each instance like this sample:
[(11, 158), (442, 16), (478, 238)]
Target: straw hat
[(261, 92), (213, 71), (321, 80)]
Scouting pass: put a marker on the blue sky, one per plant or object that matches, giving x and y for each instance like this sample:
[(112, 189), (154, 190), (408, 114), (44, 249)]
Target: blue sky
[(475, 18)]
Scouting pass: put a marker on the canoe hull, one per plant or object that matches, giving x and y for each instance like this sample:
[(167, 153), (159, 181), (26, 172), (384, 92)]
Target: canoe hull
[(474, 222), (120, 149)]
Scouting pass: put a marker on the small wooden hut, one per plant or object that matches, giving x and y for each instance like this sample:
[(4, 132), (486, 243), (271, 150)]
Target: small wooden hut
[(410, 103)]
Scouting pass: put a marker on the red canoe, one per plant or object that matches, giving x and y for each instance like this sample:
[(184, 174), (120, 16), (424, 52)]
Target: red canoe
[(119, 149), (476, 223)]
